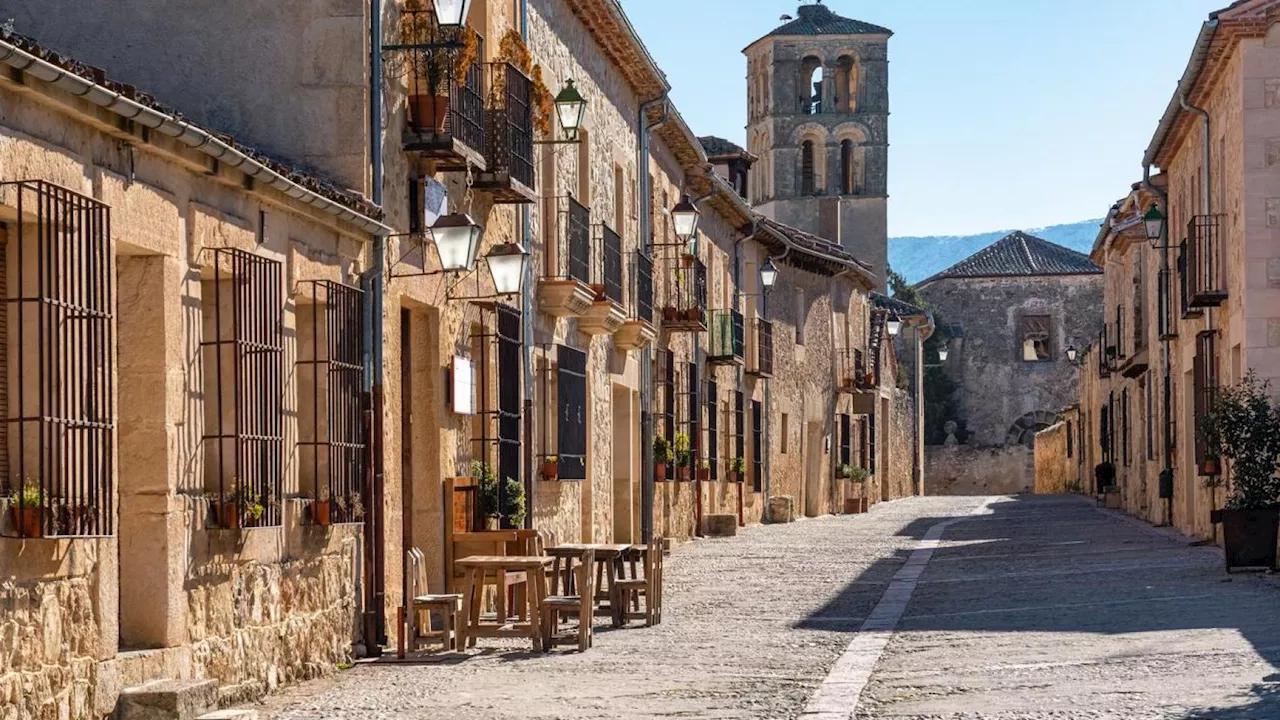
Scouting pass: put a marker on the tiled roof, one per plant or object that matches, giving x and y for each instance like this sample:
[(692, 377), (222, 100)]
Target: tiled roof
[(820, 20), (1020, 255), (716, 146), (901, 308), (817, 252), (291, 171)]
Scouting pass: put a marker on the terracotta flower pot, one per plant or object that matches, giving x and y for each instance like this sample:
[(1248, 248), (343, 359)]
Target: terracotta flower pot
[(429, 112), (30, 520), (704, 474), (229, 515), (669, 314), (550, 470), (684, 474), (687, 260), (735, 477), (660, 472), (693, 314), (1209, 468), (322, 512)]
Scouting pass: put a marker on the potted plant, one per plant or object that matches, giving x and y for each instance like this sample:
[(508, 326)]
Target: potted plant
[(684, 458), (322, 511), (693, 314), (550, 467), (737, 468), (501, 500), (28, 509), (669, 314), (1243, 428), (859, 477), (238, 507), (845, 471), (704, 471), (662, 457)]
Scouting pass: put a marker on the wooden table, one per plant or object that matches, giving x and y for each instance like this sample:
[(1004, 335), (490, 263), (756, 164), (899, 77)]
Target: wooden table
[(479, 570), (609, 567)]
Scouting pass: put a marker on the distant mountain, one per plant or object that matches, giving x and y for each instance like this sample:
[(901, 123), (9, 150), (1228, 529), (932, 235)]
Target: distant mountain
[(920, 257)]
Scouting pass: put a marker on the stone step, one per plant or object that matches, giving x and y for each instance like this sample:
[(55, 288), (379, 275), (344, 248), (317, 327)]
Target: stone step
[(231, 714), (167, 700)]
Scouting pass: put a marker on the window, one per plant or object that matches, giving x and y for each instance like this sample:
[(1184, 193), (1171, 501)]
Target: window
[(846, 84), (785, 431), (739, 426), (846, 440), (242, 348), (330, 373), (848, 169), (571, 391), (1034, 337), (869, 437), (1124, 426), (757, 446), (665, 382), (1070, 440), (811, 85), (808, 181), (693, 415), (713, 440), (619, 199), (58, 399), (1205, 377)]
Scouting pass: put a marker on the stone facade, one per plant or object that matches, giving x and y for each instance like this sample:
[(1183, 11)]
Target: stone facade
[(164, 594), (1004, 399), (824, 152)]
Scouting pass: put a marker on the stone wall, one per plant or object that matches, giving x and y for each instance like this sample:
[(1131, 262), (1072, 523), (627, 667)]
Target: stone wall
[(902, 443), (1051, 461), (966, 470)]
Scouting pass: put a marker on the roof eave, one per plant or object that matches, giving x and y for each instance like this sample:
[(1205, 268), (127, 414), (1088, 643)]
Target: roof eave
[(1190, 76)]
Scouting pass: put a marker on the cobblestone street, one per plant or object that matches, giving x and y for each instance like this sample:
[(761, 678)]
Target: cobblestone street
[(1030, 608)]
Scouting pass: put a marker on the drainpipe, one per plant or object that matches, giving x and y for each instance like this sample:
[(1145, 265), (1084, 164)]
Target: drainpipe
[(526, 325), (1166, 352), (647, 488)]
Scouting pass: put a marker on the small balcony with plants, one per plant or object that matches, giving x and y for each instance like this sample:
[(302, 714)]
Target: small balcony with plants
[(686, 303), (857, 378), (728, 338), (565, 290), (607, 312), (638, 331), (517, 105), (760, 357), (445, 91)]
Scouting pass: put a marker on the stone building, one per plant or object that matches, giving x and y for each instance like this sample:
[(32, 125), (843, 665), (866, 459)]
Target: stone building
[(171, 299), (1011, 311), (818, 119), (1197, 309)]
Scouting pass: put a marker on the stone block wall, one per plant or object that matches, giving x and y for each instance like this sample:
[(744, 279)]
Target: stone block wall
[(902, 444), (1052, 476), (965, 470)]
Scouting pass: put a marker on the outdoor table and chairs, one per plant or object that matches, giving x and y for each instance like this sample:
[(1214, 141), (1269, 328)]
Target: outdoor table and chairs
[(610, 566), (480, 570)]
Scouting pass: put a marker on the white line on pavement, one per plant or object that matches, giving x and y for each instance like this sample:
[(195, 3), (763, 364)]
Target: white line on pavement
[(837, 697)]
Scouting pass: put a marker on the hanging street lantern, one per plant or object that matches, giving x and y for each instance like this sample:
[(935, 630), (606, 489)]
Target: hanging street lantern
[(768, 274), (1072, 353), (457, 240), (571, 107), (943, 352), (1153, 222), (895, 326), (685, 217), (451, 14), (506, 266)]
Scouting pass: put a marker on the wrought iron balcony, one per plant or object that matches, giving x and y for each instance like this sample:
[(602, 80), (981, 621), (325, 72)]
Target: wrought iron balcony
[(607, 313), (445, 101), (1167, 321), (728, 338), (508, 173), (638, 331), (687, 307), (1206, 282), (761, 360), (565, 289), (856, 377)]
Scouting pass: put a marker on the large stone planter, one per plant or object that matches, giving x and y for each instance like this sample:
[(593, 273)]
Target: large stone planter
[(782, 509), (721, 525)]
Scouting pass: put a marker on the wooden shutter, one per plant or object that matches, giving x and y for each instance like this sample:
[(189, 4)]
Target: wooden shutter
[(571, 378)]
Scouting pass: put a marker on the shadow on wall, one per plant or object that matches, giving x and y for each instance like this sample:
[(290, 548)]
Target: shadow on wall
[(956, 470), (1020, 569)]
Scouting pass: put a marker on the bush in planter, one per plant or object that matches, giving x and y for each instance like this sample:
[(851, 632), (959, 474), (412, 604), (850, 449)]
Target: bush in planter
[(857, 474), (684, 456), (505, 505), (662, 457), (737, 467), (550, 467), (845, 471), (1243, 427), (28, 510), (704, 470)]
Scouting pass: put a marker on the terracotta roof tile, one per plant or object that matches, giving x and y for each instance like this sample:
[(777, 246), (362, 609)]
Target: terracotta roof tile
[(1020, 255), (820, 20)]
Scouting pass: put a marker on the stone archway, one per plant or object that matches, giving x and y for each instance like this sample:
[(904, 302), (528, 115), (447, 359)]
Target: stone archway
[(1024, 429)]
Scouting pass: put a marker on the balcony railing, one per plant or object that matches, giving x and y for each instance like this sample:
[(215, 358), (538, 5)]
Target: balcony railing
[(687, 307), (445, 101), (610, 274), (761, 364), (642, 278), (1206, 285), (578, 242), (565, 289), (1167, 321), (728, 338), (1106, 353), (508, 136)]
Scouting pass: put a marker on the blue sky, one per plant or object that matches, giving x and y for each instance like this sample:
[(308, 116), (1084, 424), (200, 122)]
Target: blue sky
[(1005, 113)]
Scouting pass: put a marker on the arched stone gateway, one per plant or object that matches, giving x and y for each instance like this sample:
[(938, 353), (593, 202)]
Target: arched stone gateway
[(1024, 429)]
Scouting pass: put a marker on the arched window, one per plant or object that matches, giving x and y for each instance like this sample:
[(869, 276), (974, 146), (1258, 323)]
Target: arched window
[(811, 86), (808, 173), (847, 84), (848, 169)]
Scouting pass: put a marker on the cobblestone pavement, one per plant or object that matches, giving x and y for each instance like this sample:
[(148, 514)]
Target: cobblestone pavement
[(1040, 609)]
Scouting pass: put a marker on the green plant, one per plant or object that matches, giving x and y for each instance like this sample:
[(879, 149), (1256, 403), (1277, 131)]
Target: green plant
[(684, 454), (662, 454), (1243, 426), (502, 499), (858, 475), (27, 496), (737, 465), (845, 471)]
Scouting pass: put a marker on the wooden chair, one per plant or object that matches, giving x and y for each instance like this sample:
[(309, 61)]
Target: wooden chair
[(580, 604), (423, 604), (649, 587)]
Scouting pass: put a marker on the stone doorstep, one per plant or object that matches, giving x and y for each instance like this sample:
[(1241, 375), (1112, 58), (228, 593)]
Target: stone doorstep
[(167, 700)]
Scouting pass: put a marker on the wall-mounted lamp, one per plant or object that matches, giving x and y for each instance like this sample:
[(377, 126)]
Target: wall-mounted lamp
[(451, 14), (768, 274), (943, 352), (895, 325), (1154, 222), (571, 108), (506, 266), (685, 217)]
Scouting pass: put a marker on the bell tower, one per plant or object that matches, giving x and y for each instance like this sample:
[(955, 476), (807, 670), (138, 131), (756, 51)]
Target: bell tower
[(818, 119)]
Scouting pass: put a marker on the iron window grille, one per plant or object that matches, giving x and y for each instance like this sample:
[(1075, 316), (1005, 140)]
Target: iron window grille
[(1139, 331), (763, 356), (1168, 326), (1205, 281), (445, 100), (846, 439), (1189, 311), (870, 425), (1122, 349), (1124, 426), (574, 256), (864, 446), (687, 306), (243, 375), (665, 382), (739, 428), (713, 437), (498, 371), (509, 125), (642, 277), (691, 423), (571, 385), (757, 446), (1070, 440), (332, 434), (610, 285), (728, 337), (58, 436), (1205, 376)]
